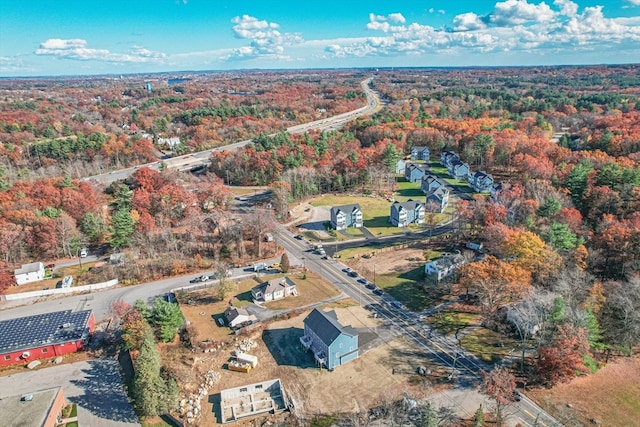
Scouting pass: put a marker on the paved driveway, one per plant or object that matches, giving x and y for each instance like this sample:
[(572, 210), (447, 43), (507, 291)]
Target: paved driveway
[(95, 386)]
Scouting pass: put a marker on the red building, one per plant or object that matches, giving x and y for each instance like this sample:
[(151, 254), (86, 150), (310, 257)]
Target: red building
[(25, 339)]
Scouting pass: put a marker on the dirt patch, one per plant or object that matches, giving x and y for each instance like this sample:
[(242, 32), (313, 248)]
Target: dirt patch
[(394, 260), (611, 396)]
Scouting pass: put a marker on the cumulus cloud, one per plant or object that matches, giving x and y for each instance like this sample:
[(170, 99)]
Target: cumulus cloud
[(513, 25), (468, 21), (634, 2), (78, 49), (518, 12), (266, 38)]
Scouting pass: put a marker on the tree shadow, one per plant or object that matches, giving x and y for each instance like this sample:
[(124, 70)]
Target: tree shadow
[(286, 349), (104, 394)]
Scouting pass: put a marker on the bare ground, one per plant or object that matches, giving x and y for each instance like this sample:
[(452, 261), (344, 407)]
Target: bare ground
[(390, 260)]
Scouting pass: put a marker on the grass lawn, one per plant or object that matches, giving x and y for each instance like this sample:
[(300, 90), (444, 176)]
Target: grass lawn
[(375, 212), (405, 288), (449, 322), (310, 290), (408, 190), (489, 345)]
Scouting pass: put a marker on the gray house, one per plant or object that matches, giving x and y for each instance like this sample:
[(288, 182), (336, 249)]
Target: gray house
[(409, 212), (430, 183), (438, 198), (481, 182), (331, 343), (414, 172), (420, 153), (400, 166), (343, 217), (458, 170), (448, 157)]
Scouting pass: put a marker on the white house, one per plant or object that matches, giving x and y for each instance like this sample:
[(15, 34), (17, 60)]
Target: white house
[(444, 266), (236, 316), (346, 216), (274, 289), (28, 273)]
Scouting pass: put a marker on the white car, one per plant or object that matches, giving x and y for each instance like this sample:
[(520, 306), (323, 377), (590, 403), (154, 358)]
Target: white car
[(84, 252)]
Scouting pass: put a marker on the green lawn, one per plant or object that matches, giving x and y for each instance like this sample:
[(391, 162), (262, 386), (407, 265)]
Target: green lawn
[(449, 322), (489, 345), (408, 190), (406, 289)]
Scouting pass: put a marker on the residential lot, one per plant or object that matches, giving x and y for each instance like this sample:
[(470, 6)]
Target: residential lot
[(94, 385)]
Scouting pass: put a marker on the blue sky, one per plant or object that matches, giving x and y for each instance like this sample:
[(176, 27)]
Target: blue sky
[(71, 37)]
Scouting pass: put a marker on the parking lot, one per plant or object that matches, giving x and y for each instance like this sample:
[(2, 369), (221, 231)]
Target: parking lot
[(94, 385)]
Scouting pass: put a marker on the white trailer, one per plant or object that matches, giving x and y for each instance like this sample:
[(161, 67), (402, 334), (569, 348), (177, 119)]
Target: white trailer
[(247, 358)]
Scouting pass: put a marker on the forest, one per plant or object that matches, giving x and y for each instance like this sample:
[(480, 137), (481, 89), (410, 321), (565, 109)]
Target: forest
[(563, 233)]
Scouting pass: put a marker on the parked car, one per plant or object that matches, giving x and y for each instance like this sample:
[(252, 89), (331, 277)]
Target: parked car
[(370, 286), (353, 273), (220, 321), (362, 280), (346, 269), (84, 252), (378, 291), (298, 237)]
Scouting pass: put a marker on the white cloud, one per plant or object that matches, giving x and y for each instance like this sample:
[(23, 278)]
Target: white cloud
[(518, 12), (513, 26), (468, 21), (397, 17), (634, 2), (77, 49), (266, 39)]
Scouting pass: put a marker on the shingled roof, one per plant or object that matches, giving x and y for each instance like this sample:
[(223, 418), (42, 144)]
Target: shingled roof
[(326, 326)]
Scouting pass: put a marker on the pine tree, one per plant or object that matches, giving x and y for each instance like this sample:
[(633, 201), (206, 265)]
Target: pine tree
[(148, 386), (122, 226), (428, 417), (167, 318), (478, 419)]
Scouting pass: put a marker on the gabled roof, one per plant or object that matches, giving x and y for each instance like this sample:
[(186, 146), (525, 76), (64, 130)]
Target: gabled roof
[(273, 285), (326, 326), (419, 149), (24, 333), (430, 178), (439, 194), (345, 208), (409, 205), (29, 268), (232, 312)]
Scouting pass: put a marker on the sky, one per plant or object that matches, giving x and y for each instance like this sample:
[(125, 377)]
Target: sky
[(90, 37)]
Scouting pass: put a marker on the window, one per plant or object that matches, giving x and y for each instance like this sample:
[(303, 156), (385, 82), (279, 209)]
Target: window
[(243, 390), (259, 387), (337, 355), (7, 357), (44, 350), (340, 345)]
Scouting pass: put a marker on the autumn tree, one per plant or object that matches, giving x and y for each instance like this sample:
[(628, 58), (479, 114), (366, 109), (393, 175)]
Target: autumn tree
[(500, 385), (495, 283), (563, 357), (620, 315), (284, 263), (134, 327), (6, 277)]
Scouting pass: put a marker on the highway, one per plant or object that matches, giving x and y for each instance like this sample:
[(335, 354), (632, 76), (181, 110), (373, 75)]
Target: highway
[(465, 368)]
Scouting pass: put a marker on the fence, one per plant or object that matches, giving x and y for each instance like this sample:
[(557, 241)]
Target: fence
[(59, 291)]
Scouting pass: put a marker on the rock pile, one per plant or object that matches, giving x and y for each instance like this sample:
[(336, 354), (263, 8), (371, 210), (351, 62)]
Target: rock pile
[(246, 345), (190, 407)]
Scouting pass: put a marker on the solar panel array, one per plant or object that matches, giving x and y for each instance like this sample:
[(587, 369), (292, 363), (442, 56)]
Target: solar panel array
[(24, 333)]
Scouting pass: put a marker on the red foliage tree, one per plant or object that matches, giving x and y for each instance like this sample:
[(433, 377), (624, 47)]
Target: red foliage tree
[(562, 358)]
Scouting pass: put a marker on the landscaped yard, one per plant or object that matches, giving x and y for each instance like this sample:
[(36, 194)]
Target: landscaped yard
[(405, 287)]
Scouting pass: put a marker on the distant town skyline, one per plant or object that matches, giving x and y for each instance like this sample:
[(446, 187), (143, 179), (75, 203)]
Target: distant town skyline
[(45, 38)]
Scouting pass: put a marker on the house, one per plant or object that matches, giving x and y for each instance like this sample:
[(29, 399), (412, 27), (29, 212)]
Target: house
[(274, 289), (331, 343), (444, 266), (414, 172), (29, 273), (437, 200), (343, 217), (170, 143), (42, 408), (253, 399), (458, 170), (448, 157), (236, 316), (420, 153), (481, 182), (409, 212), (25, 339), (431, 183), (496, 190), (400, 166)]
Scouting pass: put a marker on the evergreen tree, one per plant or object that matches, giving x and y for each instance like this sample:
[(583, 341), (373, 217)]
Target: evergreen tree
[(93, 227), (478, 419), (390, 157), (428, 416), (167, 317), (122, 226), (143, 309), (149, 388)]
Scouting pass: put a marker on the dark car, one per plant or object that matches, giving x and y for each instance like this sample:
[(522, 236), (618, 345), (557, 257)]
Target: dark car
[(346, 269), (378, 292), (362, 280), (353, 273), (517, 396), (370, 286), (298, 237)]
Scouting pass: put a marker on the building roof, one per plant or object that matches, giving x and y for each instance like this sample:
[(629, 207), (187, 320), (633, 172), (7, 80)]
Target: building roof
[(24, 333), (29, 268), (409, 205), (448, 261), (17, 411), (232, 312), (438, 194), (326, 326), (273, 285), (346, 208)]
